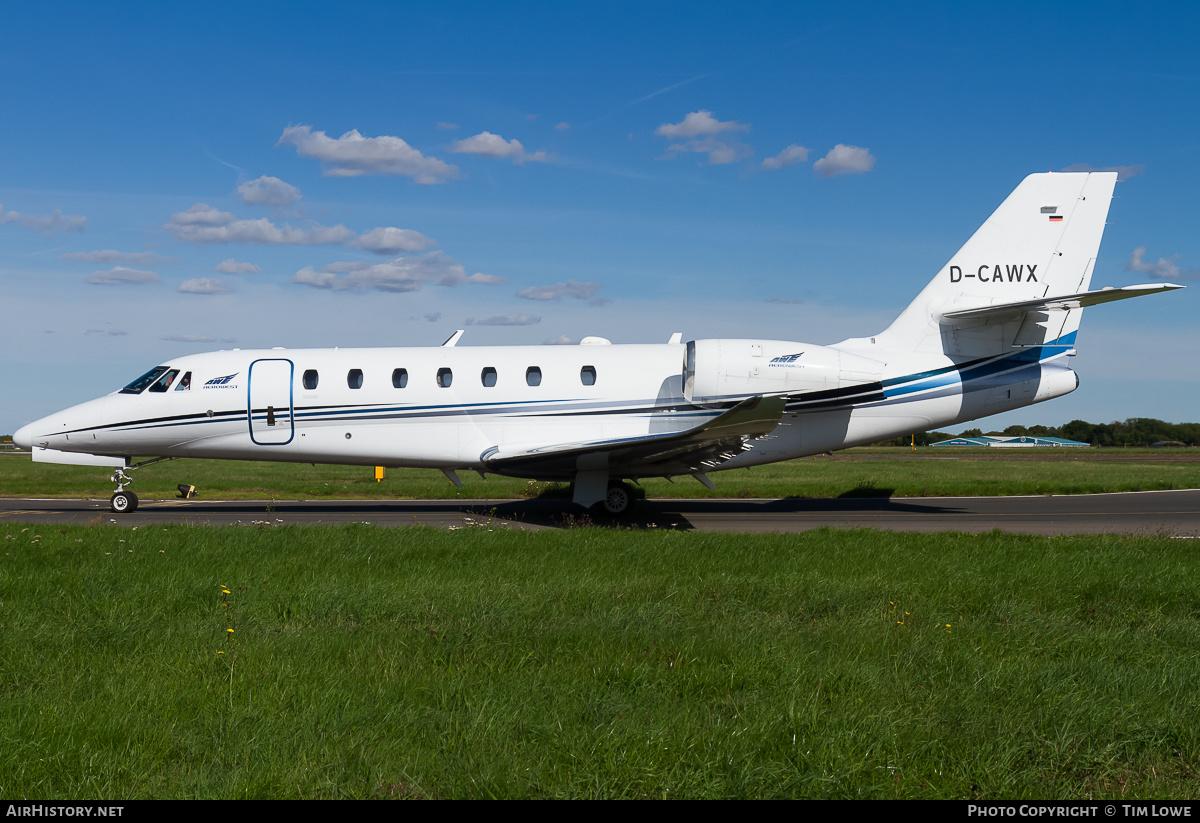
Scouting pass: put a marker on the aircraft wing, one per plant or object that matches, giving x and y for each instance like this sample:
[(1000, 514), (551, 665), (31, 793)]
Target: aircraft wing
[(1060, 303), (697, 449)]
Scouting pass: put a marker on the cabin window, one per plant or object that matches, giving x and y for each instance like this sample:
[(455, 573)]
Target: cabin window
[(163, 383), (185, 382), (488, 377), (445, 377), (399, 378), (310, 379), (354, 378), (139, 385), (533, 376), (587, 375)]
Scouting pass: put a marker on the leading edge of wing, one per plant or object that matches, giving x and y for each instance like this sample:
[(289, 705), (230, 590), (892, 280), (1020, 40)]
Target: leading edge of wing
[(717, 439)]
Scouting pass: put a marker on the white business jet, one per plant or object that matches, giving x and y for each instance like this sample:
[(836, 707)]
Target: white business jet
[(993, 331)]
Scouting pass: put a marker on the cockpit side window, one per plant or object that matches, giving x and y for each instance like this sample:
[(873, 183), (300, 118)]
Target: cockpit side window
[(139, 385), (163, 383), (185, 382)]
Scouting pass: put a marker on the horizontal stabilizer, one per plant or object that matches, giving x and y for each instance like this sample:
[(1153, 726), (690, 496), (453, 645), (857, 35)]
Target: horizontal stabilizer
[(694, 450), (1066, 302)]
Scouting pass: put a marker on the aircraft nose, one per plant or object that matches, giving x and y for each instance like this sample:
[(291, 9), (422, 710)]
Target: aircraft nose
[(24, 437)]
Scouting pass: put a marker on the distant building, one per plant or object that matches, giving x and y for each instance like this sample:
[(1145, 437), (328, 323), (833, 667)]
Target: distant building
[(1018, 441)]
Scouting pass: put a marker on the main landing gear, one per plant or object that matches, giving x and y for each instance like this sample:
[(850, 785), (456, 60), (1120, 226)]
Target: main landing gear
[(595, 490), (617, 500)]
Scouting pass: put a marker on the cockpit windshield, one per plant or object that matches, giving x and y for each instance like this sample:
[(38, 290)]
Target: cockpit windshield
[(139, 385), (163, 383)]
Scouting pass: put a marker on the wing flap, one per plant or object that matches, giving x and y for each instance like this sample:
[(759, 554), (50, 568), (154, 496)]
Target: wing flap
[(696, 449)]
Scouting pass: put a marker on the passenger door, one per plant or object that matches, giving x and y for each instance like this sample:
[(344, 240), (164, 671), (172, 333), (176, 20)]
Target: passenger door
[(270, 402)]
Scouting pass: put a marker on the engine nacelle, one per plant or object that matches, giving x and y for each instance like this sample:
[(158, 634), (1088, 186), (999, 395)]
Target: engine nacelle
[(718, 371)]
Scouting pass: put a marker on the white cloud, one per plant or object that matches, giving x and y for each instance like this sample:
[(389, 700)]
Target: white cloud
[(188, 338), (790, 156), (107, 332), (231, 266), (135, 258), (506, 320), (843, 159), (122, 276), (399, 275), (699, 123), (572, 288), (47, 224), (204, 285), (561, 340), (720, 152), (486, 144), (702, 128), (1123, 172), (476, 279), (562, 126), (204, 224), (1164, 269), (352, 155), (390, 240), (394, 275), (268, 191), (433, 317)]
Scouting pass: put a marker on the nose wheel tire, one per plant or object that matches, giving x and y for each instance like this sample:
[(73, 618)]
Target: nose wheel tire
[(123, 502)]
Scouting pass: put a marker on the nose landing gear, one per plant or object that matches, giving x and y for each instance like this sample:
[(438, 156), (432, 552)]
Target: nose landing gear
[(122, 502)]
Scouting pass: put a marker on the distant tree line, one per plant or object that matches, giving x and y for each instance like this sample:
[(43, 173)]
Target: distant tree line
[(1136, 431)]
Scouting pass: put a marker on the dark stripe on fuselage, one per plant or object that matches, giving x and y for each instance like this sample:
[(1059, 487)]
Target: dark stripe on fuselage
[(823, 400)]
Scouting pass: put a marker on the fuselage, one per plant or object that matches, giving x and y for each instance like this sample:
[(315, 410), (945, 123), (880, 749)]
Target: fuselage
[(994, 330), (445, 407)]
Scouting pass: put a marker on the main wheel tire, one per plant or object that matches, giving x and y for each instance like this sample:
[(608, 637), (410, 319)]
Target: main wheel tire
[(123, 502), (618, 500)]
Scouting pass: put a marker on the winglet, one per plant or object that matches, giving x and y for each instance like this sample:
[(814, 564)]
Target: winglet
[(452, 339)]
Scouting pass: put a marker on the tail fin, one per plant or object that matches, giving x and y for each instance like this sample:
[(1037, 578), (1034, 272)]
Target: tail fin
[(1039, 244)]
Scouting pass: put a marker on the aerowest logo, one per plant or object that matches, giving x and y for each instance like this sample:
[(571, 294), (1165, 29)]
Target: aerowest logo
[(996, 274), (221, 382), (785, 360)]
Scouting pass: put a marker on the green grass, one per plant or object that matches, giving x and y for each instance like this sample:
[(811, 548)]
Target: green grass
[(853, 473), (368, 662)]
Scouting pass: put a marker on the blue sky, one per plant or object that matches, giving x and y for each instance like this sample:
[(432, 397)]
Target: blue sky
[(180, 179)]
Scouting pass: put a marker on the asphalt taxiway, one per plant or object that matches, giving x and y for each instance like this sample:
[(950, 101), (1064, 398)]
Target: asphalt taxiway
[(1166, 513)]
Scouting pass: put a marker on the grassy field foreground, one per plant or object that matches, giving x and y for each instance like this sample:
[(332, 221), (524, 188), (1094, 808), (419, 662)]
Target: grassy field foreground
[(852, 473), (365, 662)]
